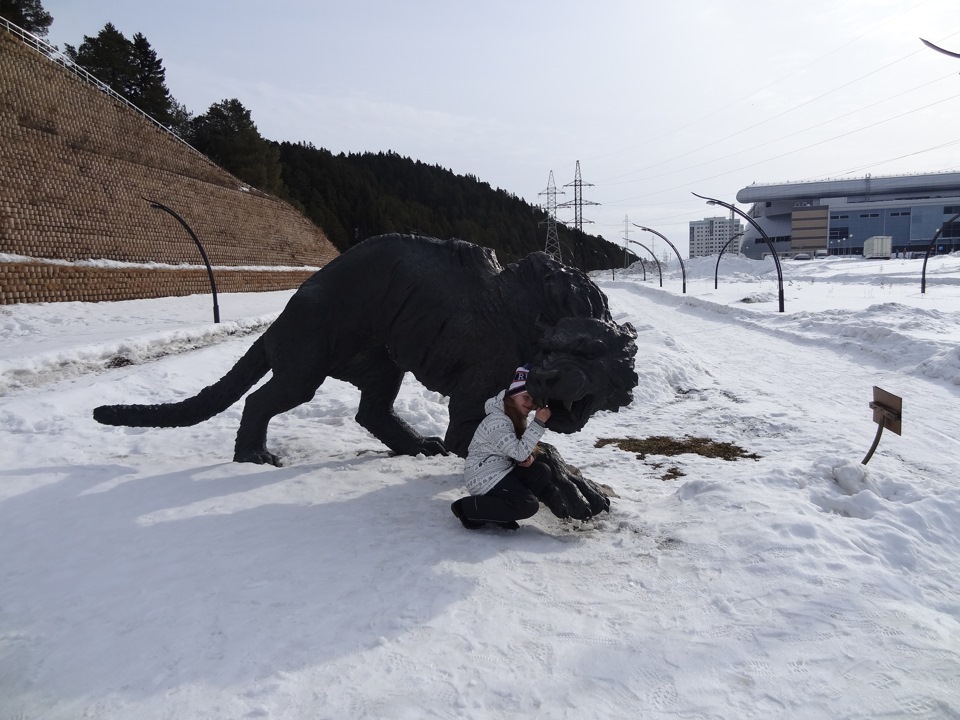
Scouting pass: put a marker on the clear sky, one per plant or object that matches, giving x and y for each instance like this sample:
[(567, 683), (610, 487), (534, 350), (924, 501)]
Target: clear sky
[(656, 100)]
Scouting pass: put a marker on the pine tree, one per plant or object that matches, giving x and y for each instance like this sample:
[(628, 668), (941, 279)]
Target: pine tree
[(148, 89), (180, 119), (131, 69), (29, 15), (108, 57), (227, 135)]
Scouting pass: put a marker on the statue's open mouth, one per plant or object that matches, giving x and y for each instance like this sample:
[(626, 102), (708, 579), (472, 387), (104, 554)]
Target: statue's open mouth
[(569, 416)]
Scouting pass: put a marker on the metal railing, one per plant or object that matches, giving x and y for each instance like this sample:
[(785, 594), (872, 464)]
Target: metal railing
[(54, 55)]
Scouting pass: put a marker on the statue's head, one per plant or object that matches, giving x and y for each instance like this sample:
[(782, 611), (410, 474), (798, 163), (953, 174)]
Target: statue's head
[(584, 365)]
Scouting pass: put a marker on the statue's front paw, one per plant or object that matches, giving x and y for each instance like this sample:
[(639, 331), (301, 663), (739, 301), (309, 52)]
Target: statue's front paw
[(565, 502), (556, 504), (433, 446), (598, 501), (260, 457), (581, 510)]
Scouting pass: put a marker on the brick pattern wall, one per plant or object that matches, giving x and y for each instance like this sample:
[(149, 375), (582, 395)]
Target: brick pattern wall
[(44, 282), (75, 167)]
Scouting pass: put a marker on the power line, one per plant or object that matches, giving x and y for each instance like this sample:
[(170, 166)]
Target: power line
[(793, 134), (772, 117), (791, 152), (839, 173), (701, 118)]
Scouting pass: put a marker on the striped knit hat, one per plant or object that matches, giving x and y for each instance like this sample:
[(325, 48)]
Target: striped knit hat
[(519, 383)]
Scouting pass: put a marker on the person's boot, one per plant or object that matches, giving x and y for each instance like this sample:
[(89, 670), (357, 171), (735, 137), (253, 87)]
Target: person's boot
[(457, 509)]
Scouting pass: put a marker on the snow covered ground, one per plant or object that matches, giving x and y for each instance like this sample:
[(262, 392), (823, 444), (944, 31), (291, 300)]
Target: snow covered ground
[(144, 576)]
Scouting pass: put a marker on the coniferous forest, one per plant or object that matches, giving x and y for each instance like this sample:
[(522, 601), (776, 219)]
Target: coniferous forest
[(350, 196), (358, 195)]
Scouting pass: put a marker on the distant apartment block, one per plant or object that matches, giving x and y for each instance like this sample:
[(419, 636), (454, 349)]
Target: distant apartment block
[(836, 217), (708, 236)]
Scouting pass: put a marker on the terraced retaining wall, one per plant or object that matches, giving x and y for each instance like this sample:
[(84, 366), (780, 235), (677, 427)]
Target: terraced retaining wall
[(77, 168)]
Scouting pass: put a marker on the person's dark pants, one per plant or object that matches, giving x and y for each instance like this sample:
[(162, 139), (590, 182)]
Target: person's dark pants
[(515, 497)]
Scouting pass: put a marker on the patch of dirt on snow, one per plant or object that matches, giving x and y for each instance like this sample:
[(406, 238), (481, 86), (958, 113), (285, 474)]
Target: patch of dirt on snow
[(663, 445)]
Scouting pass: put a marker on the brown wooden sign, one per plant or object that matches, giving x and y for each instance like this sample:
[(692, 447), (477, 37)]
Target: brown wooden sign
[(887, 409), (887, 413)]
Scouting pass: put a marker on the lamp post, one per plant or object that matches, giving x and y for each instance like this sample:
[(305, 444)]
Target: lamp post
[(933, 243), (939, 49), (716, 271), (654, 259), (627, 253), (203, 253), (683, 270), (766, 238)]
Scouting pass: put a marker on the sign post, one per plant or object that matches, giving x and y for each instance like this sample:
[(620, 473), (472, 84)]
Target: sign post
[(887, 413)]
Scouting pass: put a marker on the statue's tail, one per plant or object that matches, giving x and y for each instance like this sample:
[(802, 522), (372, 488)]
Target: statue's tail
[(208, 402)]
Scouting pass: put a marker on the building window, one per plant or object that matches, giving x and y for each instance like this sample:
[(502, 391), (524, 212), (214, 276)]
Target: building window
[(951, 210), (869, 215)]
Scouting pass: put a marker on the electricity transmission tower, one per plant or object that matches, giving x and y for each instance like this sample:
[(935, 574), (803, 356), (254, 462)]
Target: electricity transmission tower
[(577, 204), (552, 247)]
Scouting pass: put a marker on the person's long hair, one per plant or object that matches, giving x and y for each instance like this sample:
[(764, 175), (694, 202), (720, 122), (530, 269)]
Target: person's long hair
[(516, 415), (518, 419)]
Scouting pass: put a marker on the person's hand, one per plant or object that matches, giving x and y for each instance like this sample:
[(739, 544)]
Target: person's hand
[(526, 463), (542, 414)]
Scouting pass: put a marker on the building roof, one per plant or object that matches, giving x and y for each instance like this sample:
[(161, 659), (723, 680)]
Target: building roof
[(937, 182)]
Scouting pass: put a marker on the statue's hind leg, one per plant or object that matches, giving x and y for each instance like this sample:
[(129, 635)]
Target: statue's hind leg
[(379, 379), (275, 397)]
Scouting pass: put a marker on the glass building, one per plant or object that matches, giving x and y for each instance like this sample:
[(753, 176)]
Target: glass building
[(835, 217)]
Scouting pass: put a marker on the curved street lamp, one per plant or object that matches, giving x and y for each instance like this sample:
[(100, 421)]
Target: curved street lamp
[(203, 254), (625, 265), (716, 272), (773, 250), (683, 270), (635, 242), (933, 242), (939, 49)]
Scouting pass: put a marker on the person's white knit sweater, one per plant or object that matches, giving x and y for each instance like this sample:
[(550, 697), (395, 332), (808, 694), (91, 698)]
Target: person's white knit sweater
[(495, 447)]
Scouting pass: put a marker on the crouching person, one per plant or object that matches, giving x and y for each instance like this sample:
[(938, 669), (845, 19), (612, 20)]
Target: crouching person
[(501, 472)]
